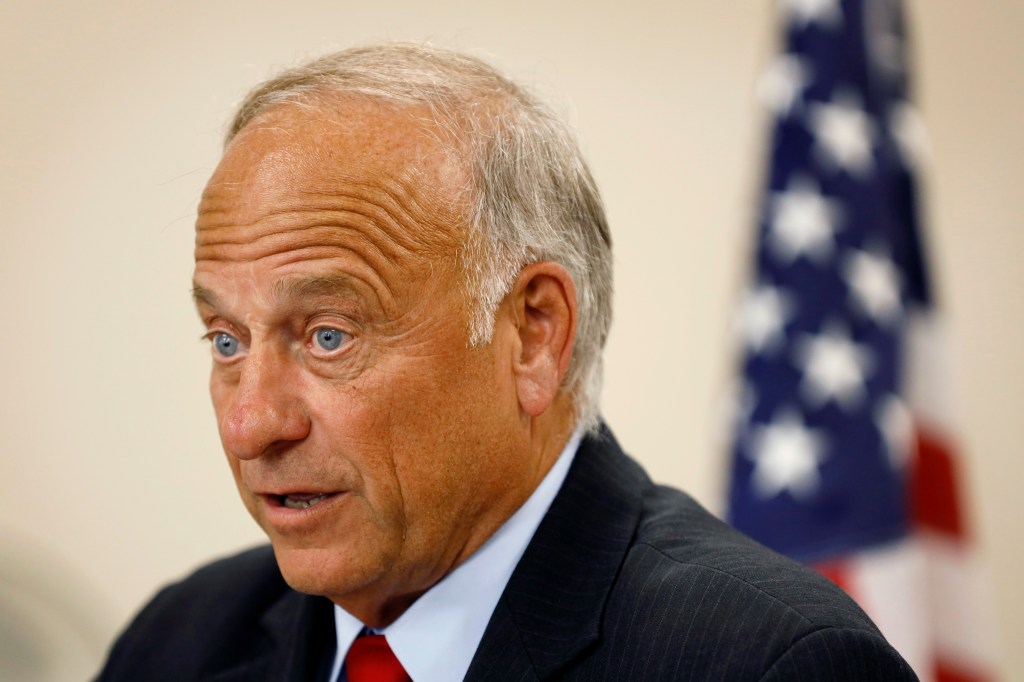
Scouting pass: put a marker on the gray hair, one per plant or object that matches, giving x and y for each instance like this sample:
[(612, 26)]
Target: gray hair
[(533, 197)]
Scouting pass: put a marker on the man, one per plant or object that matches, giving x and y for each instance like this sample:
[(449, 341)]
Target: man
[(405, 274)]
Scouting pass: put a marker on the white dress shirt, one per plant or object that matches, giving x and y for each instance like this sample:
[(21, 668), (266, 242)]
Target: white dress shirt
[(436, 638)]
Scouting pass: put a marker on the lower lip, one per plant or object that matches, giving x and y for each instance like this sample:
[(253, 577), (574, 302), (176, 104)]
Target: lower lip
[(286, 520)]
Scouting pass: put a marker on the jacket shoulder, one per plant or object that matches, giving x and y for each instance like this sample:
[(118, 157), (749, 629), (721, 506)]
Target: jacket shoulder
[(678, 533), (730, 608), (189, 625)]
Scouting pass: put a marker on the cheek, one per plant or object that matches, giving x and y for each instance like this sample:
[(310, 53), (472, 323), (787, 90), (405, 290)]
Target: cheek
[(355, 441), (398, 423), (220, 396), (250, 502), (442, 422)]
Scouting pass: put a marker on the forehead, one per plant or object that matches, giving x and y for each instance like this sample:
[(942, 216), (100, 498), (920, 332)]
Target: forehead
[(299, 157)]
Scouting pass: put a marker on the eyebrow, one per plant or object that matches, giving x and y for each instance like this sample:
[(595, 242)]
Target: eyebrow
[(203, 295), (321, 286)]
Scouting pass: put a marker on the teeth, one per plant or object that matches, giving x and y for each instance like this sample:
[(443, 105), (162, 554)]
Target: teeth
[(294, 503)]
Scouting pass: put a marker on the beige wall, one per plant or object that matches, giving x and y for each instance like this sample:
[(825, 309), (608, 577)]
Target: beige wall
[(113, 481)]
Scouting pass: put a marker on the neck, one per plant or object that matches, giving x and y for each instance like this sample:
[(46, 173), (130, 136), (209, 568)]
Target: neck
[(549, 433)]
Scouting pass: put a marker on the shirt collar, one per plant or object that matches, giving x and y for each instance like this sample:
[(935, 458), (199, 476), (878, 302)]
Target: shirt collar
[(436, 638)]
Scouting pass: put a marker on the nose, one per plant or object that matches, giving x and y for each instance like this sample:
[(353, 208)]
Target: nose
[(263, 412)]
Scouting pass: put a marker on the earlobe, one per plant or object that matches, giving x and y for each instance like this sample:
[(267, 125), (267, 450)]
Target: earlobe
[(544, 297)]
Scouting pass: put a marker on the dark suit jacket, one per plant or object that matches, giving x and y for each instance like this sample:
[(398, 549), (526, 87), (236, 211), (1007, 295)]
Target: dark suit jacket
[(624, 580)]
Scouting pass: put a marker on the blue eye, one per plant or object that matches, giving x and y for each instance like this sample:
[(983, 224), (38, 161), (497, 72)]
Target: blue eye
[(225, 344), (328, 338)]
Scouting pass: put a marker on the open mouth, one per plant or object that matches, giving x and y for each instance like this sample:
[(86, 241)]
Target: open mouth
[(301, 500)]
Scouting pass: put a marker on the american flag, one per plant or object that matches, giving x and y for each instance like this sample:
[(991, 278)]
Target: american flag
[(843, 456)]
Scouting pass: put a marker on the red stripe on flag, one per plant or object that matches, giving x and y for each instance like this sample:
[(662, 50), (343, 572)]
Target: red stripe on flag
[(934, 502), (947, 673), (838, 572)]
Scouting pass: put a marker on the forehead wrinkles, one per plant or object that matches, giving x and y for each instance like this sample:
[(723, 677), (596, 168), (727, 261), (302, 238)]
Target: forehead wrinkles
[(387, 222), (371, 180)]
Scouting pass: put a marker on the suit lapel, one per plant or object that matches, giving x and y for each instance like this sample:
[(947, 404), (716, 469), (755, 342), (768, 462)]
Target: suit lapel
[(306, 633), (551, 609), (297, 643)]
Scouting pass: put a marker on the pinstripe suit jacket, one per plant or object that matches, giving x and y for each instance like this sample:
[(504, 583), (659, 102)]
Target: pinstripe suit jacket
[(624, 580)]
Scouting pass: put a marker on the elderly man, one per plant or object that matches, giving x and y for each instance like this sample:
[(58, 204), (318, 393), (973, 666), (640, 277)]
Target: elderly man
[(404, 271)]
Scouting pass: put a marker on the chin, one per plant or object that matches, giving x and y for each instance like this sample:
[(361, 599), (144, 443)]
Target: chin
[(325, 572)]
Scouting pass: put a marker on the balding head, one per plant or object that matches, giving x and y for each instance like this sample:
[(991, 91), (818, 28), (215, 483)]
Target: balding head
[(529, 196)]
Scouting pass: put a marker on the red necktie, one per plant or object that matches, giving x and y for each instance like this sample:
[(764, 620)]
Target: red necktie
[(370, 659)]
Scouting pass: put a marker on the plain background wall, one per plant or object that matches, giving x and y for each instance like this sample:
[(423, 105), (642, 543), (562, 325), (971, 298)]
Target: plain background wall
[(113, 481)]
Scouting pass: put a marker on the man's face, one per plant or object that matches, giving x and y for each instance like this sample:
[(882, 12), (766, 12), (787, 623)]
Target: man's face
[(370, 442)]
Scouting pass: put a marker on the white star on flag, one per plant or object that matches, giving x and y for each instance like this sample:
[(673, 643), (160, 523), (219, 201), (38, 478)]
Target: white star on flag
[(886, 45), (908, 128), (802, 222), (803, 12), (746, 404), (834, 368), (874, 282), (887, 52), (786, 455), (894, 420), (782, 84), (763, 314), (843, 133)]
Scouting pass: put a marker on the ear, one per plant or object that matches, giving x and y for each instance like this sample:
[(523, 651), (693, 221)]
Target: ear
[(544, 300)]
